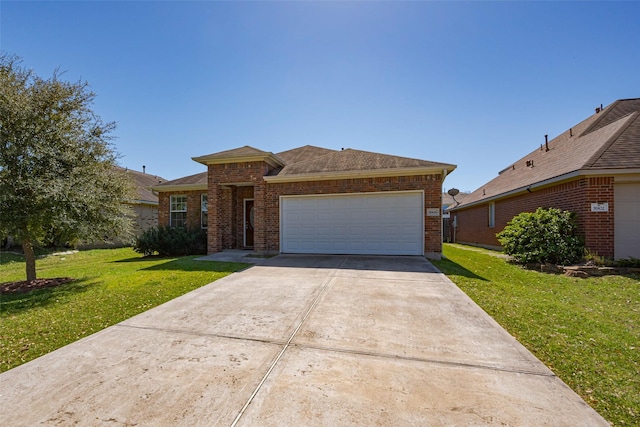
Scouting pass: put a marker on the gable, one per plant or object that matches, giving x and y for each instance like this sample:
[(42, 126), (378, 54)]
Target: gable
[(304, 153), (192, 182)]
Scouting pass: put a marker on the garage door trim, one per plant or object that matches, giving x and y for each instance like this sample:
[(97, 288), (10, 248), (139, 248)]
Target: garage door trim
[(421, 223)]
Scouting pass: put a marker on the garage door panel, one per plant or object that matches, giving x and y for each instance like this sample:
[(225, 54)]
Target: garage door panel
[(627, 220), (389, 223)]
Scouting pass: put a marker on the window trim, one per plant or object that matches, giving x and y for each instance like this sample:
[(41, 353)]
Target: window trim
[(492, 215), (204, 211), (172, 205)]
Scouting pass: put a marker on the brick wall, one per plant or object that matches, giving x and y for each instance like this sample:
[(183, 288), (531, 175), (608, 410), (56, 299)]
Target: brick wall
[(193, 207), (226, 203), (576, 196), (226, 227), (430, 184)]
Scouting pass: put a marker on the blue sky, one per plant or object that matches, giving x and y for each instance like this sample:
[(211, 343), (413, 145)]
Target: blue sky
[(476, 84)]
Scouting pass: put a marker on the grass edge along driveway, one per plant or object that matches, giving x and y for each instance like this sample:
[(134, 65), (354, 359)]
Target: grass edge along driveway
[(110, 285), (587, 331)]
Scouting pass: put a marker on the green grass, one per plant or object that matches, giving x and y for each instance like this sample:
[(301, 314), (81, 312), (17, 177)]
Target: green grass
[(586, 330), (111, 285)]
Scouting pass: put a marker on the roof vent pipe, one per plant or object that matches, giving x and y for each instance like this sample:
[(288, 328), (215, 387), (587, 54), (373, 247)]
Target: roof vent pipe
[(143, 168), (546, 142), (570, 131)]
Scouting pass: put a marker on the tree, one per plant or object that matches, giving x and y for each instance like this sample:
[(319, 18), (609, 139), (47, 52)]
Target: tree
[(56, 162)]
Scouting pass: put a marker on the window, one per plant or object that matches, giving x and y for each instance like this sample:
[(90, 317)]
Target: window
[(178, 209), (203, 211), (492, 215)]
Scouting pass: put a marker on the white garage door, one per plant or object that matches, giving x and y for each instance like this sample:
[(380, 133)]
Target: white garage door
[(378, 224), (627, 220)]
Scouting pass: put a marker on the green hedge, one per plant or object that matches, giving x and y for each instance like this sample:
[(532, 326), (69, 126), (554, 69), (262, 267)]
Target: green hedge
[(168, 241), (544, 236)]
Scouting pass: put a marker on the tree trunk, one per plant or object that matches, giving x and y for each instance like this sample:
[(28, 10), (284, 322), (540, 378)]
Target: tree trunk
[(30, 259)]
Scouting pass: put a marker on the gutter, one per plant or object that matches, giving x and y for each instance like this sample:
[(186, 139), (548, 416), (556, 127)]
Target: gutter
[(548, 182), (369, 173)]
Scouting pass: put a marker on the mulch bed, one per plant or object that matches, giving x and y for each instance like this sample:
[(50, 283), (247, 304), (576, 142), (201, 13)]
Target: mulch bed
[(28, 286)]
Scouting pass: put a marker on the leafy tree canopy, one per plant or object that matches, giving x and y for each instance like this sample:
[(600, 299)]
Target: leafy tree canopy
[(57, 164)]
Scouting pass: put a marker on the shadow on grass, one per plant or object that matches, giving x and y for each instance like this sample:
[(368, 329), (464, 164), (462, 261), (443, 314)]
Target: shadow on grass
[(39, 298), (451, 268), (151, 258), (189, 264)]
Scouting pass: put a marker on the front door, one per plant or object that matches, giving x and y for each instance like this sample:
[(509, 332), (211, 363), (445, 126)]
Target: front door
[(248, 222)]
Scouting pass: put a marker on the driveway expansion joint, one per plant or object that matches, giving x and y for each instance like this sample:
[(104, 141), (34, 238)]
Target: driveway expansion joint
[(323, 289), (424, 360)]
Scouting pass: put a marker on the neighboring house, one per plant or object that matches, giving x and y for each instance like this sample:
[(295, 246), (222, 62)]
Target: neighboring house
[(311, 200), (592, 169), (448, 202), (145, 205)]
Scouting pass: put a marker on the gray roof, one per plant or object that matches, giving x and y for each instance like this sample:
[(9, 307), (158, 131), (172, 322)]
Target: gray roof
[(350, 160), (608, 140), (300, 154), (246, 152), (308, 162), (196, 179), (143, 183)]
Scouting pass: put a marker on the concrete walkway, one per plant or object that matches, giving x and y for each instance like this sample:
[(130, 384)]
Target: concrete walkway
[(299, 340)]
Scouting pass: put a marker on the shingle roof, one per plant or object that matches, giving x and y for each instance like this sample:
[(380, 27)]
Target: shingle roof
[(300, 154), (609, 139), (350, 160), (143, 183), (196, 180), (238, 154), (308, 162)]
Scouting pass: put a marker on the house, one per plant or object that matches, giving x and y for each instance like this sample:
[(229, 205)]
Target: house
[(145, 205), (591, 169), (448, 202), (311, 200)]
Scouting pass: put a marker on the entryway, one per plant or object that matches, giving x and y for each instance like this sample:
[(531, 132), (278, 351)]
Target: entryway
[(249, 221)]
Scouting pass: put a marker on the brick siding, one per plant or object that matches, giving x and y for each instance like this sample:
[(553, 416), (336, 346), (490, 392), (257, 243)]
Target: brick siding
[(230, 184), (576, 196), (430, 184), (193, 207)]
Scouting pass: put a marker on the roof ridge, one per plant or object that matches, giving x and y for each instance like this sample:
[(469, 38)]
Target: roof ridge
[(606, 113), (599, 153)]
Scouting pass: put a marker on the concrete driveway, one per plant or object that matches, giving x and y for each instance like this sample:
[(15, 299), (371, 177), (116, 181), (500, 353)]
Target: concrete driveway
[(299, 340)]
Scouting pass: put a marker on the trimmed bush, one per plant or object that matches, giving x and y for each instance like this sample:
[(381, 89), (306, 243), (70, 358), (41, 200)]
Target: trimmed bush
[(544, 236), (168, 241)]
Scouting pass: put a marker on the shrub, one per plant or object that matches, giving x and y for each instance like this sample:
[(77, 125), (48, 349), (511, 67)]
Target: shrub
[(168, 241), (544, 236)]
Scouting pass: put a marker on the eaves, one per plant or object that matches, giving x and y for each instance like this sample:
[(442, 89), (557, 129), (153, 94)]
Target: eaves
[(547, 183), (179, 187), (443, 169)]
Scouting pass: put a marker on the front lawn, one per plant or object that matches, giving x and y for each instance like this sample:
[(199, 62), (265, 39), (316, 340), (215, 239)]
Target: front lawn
[(111, 285), (586, 330)]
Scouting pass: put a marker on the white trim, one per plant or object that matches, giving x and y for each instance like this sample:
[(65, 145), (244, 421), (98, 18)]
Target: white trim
[(180, 187), (549, 182), (492, 215), (370, 173), (370, 193), (269, 159), (171, 211), (244, 225), (202, 210)]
